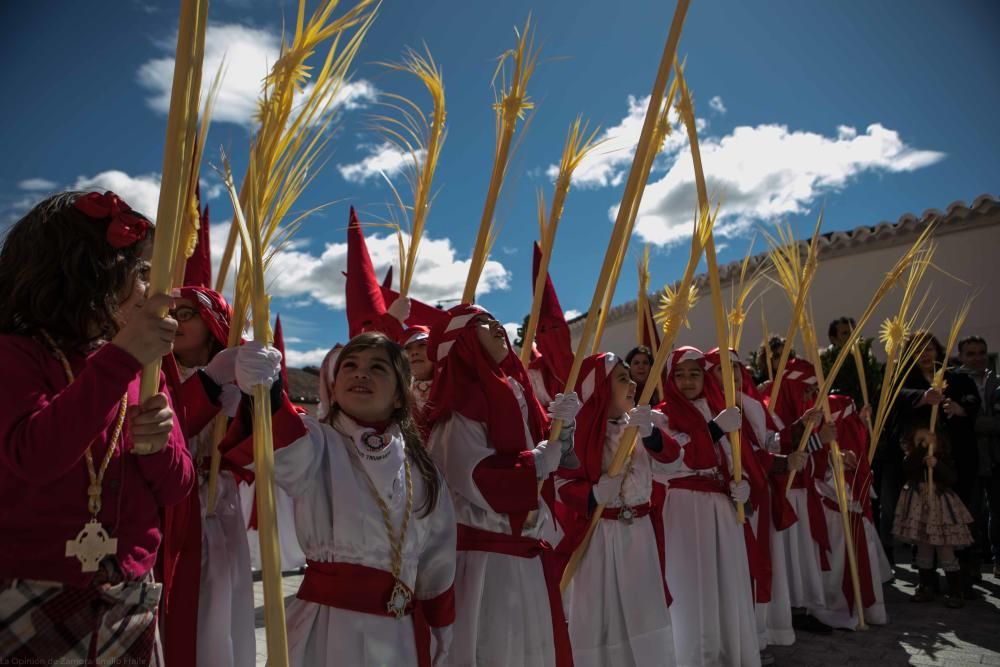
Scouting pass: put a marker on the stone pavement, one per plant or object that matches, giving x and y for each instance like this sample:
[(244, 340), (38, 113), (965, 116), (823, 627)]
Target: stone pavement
[(917, 634)]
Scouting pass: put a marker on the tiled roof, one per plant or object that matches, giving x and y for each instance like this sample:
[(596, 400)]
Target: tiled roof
[(956, 217)]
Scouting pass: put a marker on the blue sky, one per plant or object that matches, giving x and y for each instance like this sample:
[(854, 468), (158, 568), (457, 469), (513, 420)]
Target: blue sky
[(869, 109)]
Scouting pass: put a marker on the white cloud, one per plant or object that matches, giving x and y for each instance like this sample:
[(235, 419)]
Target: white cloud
[(141, 192), (298, 274), (608, 164), (716, 105), (572, 313), (511, 328), (293, 339), (249, 54), (299, 359), (382, 158), (769, 171), (37, 184)]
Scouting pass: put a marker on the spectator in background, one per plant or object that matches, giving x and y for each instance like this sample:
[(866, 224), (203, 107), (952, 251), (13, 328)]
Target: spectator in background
[(974, 357), (639, 362), (773, 349), (958, 406), (847, 381)]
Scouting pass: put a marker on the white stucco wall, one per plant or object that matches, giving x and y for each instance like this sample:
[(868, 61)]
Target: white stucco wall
[(845, 282)]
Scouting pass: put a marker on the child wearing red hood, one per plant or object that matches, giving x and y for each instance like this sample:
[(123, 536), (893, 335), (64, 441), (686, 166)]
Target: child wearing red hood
[(760, 432), (617, 613), (488, 436), (805, 543), (873, 565), (706, 559)]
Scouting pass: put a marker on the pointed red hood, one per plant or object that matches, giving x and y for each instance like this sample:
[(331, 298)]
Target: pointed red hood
[(279, 345), (364, 294), (198, 269), (387, 281), (552, 336)]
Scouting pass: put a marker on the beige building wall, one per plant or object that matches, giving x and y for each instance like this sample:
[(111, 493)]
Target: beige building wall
[(852, 265)]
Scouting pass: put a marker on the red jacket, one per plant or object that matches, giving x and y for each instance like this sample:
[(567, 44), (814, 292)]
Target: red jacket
[(45, 428)]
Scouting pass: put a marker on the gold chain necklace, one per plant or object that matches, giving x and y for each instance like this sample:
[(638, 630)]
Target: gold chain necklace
[(92, 544), (401, 594)]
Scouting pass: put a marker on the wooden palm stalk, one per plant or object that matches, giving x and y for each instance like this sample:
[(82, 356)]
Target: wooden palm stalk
[(686, 108), (510, 108), (797, 283), (660, 133), (767, 349), (618, 234), (578, 145), (285, 150), (939, 383), (421, 139), (859, 365), (644, 322), (252, 265), (919, 252), (674, 308), (738, 311), (177, 159), (899, 358)]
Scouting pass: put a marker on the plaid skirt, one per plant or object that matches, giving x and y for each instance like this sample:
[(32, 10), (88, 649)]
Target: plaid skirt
[(110, 623)]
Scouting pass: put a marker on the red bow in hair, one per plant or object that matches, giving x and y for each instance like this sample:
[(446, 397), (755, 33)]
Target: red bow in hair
[(126, 228)]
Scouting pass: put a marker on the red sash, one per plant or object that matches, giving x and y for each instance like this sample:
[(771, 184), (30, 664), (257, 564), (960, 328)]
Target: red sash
[(614, 513), (477, 539), (366, 590), (699, 483)]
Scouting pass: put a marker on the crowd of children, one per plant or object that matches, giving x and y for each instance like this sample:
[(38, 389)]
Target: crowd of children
[(434, 499)]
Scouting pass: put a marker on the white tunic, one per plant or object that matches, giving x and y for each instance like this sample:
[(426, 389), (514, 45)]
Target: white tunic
[(835, 611), (774, 618), (225, 635), (292, 557), (501, 601), (338, 519), (707, 571), (615, 605)]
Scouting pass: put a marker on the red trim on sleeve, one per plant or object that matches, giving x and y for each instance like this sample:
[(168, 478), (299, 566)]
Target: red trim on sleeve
[(508, 482)]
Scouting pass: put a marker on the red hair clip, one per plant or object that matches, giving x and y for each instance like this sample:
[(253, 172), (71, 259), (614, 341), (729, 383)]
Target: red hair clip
[(126, 228)]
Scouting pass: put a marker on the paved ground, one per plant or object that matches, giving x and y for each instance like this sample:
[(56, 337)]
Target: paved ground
[(917, 634)]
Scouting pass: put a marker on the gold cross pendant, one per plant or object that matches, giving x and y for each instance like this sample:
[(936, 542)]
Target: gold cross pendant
[(91, 545)]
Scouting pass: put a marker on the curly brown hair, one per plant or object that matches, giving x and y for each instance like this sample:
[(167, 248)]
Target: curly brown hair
[(403, 415), (59, 274)]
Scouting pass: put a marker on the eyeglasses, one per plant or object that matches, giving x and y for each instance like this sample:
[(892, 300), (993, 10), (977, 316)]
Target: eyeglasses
[(183, 314)]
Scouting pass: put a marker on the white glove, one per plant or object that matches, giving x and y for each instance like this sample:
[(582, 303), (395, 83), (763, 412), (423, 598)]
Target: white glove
[(257, 364), (440, 644), (740, 491), (642, 417), (729, 420), (547, 456), (400, 309), (229, 399), (606, 490), (565, 407), (222, 367)]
